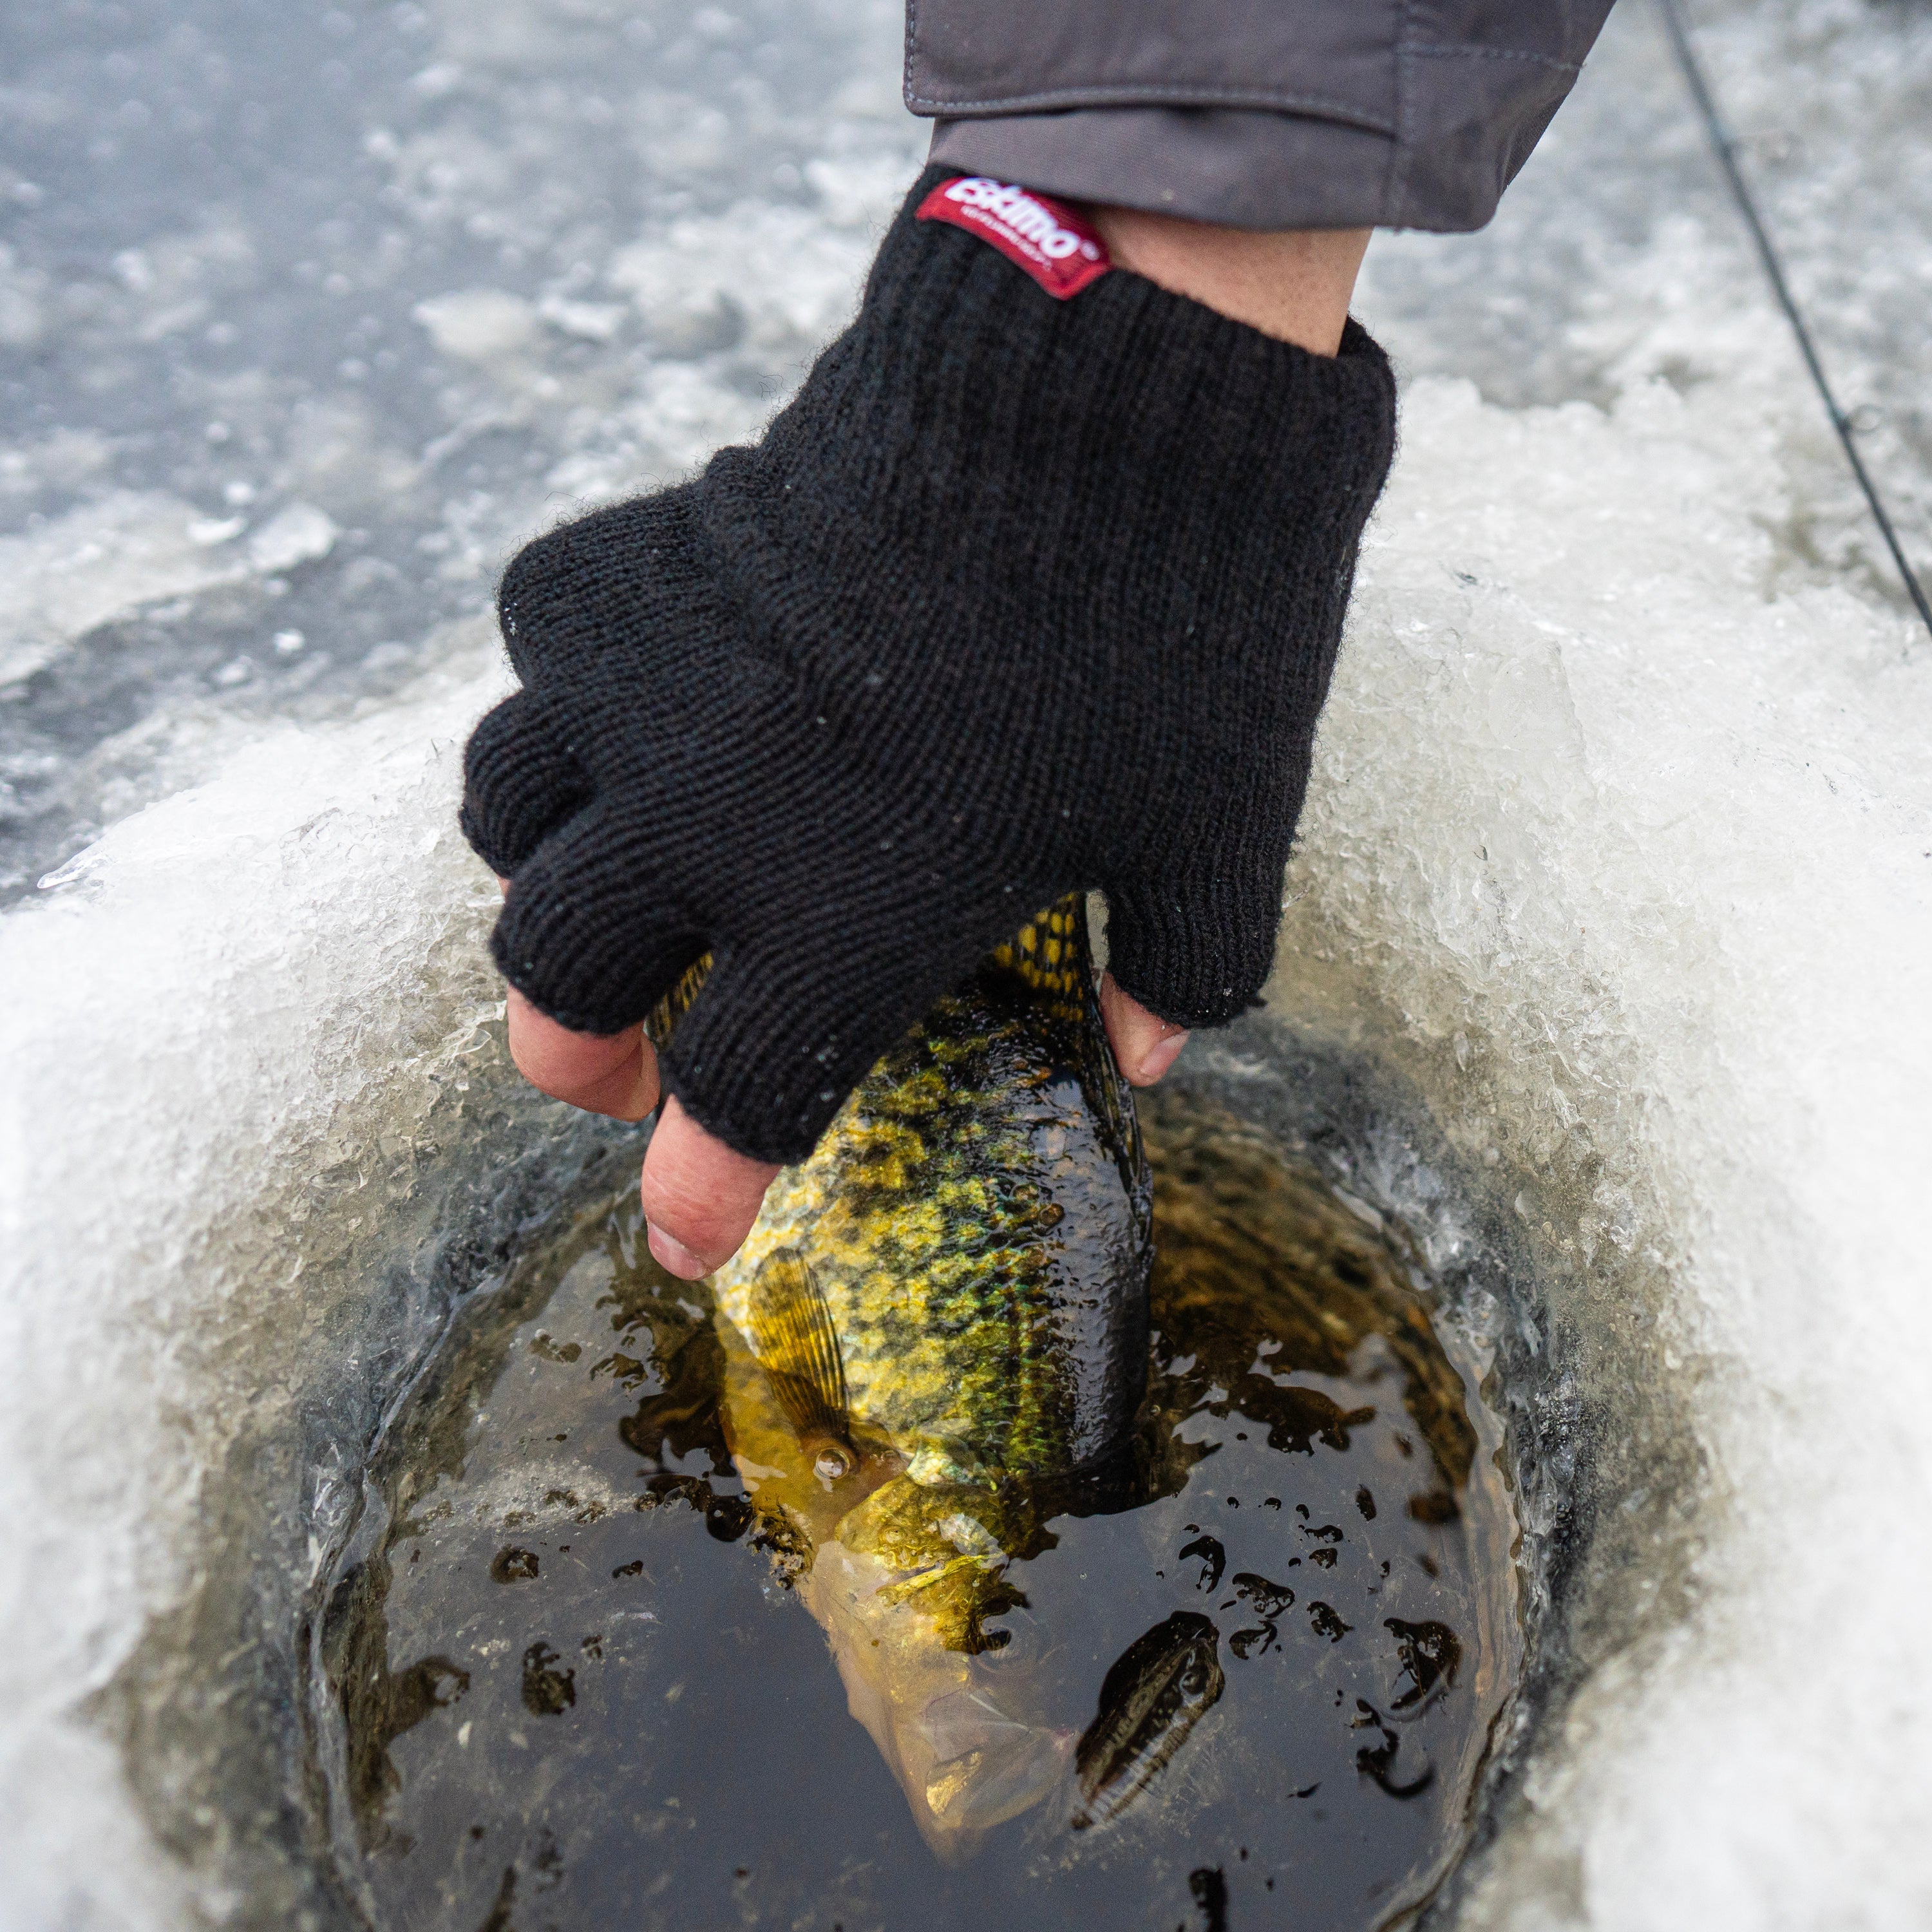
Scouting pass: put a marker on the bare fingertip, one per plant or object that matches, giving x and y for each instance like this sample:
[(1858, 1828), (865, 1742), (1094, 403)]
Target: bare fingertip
[(672, 1255), (1158, 1059)]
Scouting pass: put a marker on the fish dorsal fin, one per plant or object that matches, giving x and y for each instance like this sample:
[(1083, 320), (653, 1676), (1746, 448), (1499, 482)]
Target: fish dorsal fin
[(1051, 955), (662, 1021), (792, 1336)]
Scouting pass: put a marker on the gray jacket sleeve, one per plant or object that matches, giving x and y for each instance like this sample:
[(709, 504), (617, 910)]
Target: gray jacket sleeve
[(1263, 113)]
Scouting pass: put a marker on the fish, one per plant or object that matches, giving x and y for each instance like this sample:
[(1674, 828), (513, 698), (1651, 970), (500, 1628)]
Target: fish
[(935, 1332), (952, 1323), (1161, 1685)]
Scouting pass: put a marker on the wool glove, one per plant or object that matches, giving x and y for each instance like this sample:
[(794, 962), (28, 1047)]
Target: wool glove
[(1017, 596)]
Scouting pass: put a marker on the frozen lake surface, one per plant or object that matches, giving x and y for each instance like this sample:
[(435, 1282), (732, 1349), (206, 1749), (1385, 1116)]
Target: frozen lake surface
[(1618, 863)]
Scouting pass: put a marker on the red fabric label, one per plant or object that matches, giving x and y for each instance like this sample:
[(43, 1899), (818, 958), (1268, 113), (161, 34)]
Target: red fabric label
[(1045, 237)]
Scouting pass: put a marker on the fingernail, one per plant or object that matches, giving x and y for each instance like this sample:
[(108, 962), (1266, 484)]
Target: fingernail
[(674, 1255), (1159, 1057)]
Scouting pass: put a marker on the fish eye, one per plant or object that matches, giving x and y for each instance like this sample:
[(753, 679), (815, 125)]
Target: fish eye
[(1012, 1643), (833, 1464), (1000, 1649)]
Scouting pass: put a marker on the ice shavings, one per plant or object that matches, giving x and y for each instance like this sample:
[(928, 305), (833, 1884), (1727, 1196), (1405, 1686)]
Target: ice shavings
[(1620, 840), (290, 950), (750, 291)]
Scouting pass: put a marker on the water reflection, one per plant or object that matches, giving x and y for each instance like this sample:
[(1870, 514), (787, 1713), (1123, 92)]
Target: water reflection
[(571, 1679)]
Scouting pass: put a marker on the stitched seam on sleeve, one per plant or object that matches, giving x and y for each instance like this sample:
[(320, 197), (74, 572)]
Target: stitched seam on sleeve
[(1395, 183), (1436, 50), (1138, 94)]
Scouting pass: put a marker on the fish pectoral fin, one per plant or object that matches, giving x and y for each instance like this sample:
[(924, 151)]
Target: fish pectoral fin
[(797, 1347), (992, 1782)]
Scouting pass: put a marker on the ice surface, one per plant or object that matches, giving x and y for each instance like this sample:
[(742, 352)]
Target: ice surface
[(405, 267), (1619, 851), (1622, 222), (1628, 854), (101, 561), (107, 559)]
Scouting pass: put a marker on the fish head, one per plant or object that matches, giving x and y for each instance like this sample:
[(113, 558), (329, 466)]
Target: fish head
[(939, 1661), (908, 1578)]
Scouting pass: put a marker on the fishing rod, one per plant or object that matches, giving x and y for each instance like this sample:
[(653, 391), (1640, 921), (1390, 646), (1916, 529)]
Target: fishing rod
[(1726, 144)]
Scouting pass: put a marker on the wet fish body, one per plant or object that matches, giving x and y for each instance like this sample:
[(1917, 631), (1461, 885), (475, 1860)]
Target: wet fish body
[(976, 1223), (939, 1318)]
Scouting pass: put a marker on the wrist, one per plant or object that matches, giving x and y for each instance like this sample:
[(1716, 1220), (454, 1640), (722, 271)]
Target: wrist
[(1293, 284)]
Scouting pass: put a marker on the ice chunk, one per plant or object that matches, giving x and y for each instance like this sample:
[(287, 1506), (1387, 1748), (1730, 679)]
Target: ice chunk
[(594, 322), (102, 561), (297, 534), (478, 325)]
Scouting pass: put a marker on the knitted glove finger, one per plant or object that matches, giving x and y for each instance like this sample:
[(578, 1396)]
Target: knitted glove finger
[(564, 610), (1191, 930), (1195, 946), (788, 1021), (590, 932), (520, 782)]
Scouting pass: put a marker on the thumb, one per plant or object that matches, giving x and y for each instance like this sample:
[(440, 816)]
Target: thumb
[(1195, 949), (700, 1197), (1144, 1045)]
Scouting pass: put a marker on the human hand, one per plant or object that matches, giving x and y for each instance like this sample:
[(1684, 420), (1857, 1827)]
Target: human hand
[(1016, 598), (700, 1196)]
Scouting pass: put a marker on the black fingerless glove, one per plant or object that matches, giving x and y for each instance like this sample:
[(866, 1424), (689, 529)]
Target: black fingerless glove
[(1017, 596)]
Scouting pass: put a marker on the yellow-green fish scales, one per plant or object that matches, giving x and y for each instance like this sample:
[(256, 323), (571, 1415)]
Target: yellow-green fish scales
[(976, 1226), (988, 1167)]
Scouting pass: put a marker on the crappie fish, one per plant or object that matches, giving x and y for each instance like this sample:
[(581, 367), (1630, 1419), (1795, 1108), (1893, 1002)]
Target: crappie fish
[(939, 1321)]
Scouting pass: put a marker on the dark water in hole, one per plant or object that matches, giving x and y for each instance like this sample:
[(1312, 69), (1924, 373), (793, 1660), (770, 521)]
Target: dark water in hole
[(561, 1684)]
